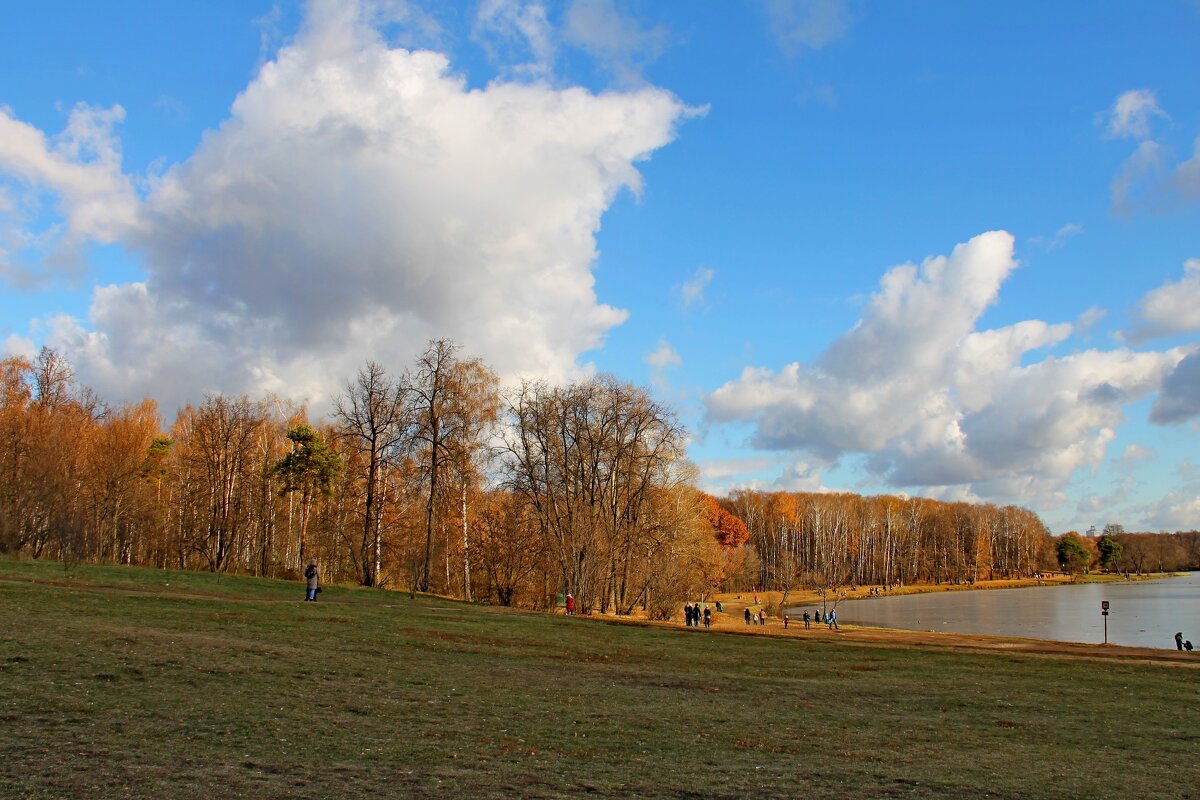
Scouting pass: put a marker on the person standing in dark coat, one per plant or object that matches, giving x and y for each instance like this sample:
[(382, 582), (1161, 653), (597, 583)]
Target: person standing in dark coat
[(313, 580), (1179, 640), (707, 617)]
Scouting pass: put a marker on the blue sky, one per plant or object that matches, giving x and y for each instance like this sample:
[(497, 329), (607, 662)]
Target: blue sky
[(713, 198)]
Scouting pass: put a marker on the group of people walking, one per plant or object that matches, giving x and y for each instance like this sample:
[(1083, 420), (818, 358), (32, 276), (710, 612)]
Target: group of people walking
[(758, 618), (829, 618), (695, 616)]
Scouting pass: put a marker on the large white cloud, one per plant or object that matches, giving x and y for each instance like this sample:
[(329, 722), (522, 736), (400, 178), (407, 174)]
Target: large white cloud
[(359, 199), (934, 401)]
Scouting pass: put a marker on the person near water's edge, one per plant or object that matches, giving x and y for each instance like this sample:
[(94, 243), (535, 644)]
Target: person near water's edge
[(1179, 640), (313, 580)]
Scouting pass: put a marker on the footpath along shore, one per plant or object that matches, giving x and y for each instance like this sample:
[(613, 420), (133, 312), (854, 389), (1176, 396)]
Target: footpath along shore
[(732, 621)]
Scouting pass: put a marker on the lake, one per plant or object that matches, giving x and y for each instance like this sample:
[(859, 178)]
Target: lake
[(1141, 613)]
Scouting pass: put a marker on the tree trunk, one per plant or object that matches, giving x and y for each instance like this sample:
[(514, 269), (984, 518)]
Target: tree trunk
[(429, 506), (466, 549)]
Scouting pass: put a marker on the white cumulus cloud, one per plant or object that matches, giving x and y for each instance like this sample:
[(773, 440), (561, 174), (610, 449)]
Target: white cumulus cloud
[(1172, 308), (359, 199), (934, 401)]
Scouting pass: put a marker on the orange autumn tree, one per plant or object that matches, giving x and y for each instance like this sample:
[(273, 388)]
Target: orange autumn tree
[(729, 530), (730, 533)]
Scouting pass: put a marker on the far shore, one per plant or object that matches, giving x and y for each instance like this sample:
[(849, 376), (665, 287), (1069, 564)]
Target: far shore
[(810, 597)]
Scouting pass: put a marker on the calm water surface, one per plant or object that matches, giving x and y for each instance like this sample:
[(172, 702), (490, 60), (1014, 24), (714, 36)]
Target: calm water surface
[(1141, 613)]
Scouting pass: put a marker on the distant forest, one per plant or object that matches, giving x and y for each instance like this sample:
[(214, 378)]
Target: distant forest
[(435, 479)]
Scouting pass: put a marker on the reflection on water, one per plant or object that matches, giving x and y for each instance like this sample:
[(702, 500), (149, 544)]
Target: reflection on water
[(1141, 613)]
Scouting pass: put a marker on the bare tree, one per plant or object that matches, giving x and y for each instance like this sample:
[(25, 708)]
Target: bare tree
[(453, 404), (589, 458), (222, 449), (373, 417)]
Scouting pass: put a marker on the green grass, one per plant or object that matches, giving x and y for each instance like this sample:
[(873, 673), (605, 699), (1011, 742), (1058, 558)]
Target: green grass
[(121, 682)]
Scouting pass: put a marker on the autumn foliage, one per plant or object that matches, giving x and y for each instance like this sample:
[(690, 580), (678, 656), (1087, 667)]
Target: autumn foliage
[(433, 479), (729, 531)]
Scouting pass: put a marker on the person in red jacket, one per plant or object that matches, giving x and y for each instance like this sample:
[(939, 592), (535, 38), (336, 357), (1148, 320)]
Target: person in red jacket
[(570, 605)]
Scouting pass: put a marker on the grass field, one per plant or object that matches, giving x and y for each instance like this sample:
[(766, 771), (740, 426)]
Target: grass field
[(119, 682)]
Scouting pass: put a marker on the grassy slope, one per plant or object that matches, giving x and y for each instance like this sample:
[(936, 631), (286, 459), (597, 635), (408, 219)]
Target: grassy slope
[(120, 685)]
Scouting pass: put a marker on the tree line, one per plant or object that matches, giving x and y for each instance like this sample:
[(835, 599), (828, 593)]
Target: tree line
[(436, 479), (830, 540), (429, 479), (1118, 550)]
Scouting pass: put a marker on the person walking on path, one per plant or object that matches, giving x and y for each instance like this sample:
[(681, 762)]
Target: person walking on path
[(570, 605), (707, 617), (312, 582), (832, 617), (747, 615), (807, 620), (1179, 640), (786, 619)]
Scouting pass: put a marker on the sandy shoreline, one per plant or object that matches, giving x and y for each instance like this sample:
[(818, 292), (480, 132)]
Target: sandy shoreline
[(732, 621), (730, 624)]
